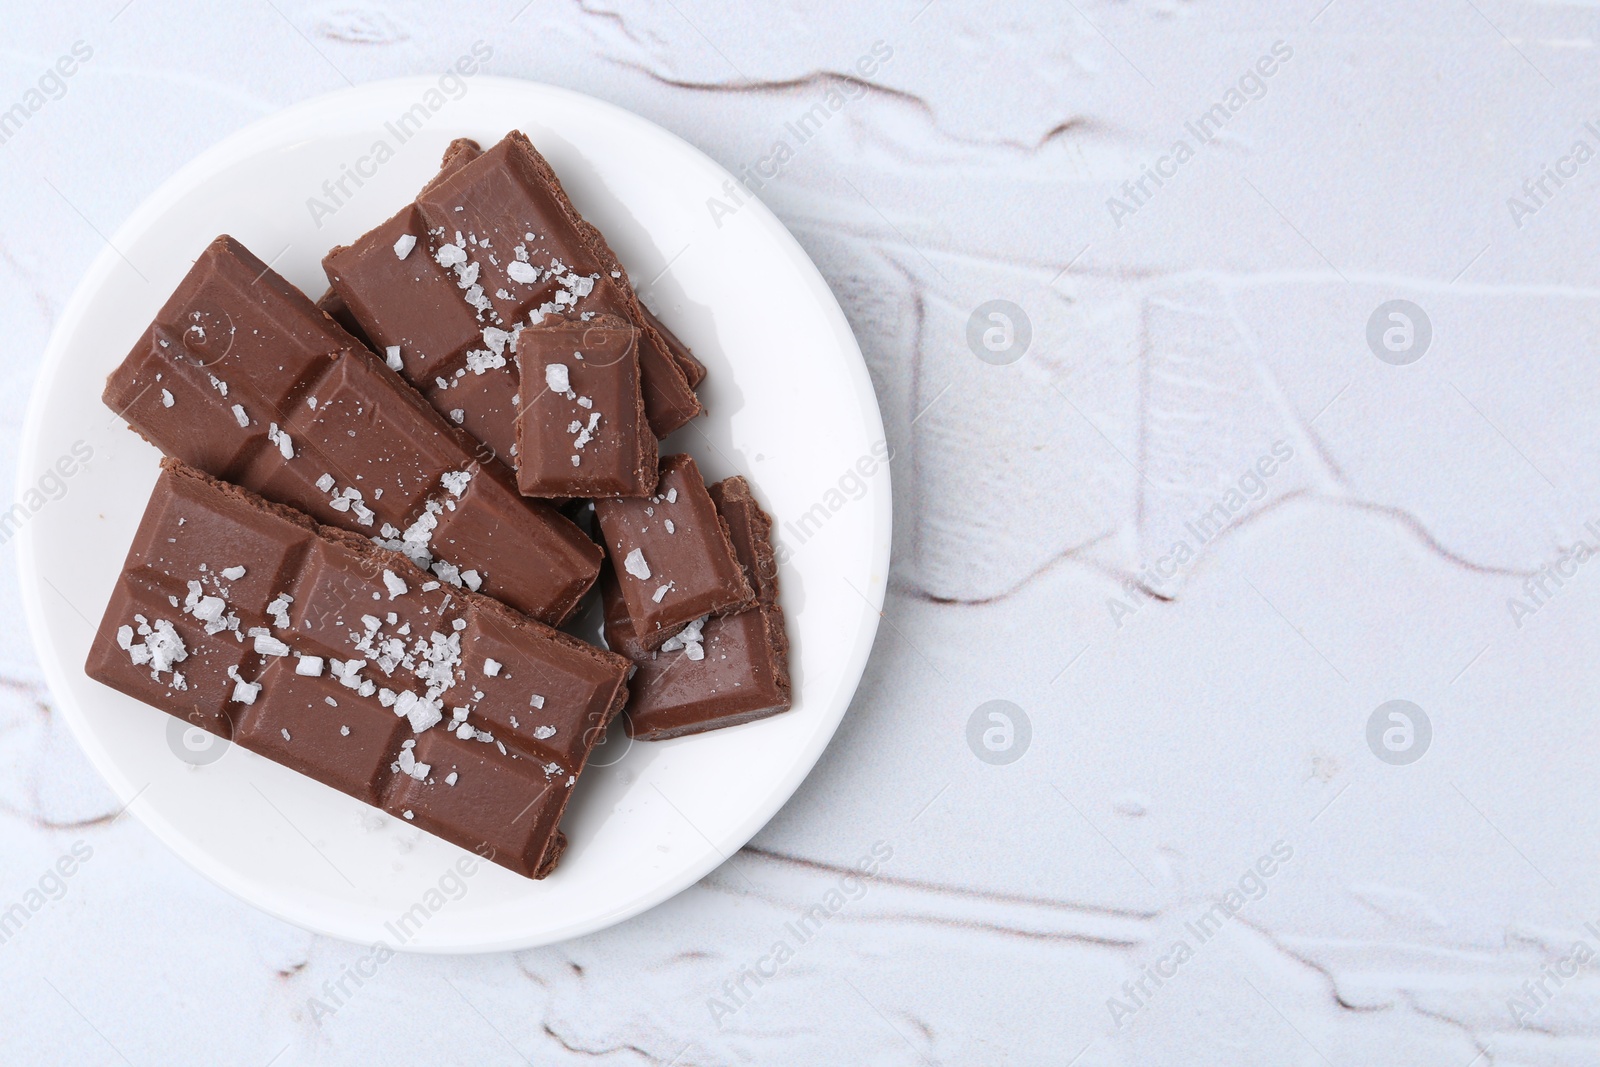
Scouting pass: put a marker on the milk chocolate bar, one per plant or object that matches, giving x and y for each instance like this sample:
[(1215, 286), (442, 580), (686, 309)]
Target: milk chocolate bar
[(492, 246), (723, 671), (345, 662), (671, 558), (581, 429), (243, 377)]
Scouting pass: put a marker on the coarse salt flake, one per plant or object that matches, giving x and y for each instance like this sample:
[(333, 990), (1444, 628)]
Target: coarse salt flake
[(394, 583), (267, 645)]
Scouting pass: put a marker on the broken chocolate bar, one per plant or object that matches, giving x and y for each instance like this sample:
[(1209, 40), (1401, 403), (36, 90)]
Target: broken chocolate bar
[(243, 377), (723, 671), (581, 429), (671, 558), (491, 246), (343, 661)]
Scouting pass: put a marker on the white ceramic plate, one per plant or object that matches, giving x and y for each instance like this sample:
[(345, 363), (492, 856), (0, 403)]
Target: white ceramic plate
[(791, 407)]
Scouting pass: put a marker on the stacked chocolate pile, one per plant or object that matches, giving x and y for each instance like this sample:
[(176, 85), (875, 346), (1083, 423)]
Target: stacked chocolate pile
[(374, 508)]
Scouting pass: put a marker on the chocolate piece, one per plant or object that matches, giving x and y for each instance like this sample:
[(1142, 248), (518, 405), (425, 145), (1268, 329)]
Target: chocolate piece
[(693, 370), (242, 377), (581, 429), (737, 672), (325, 653), (733, 669), (671, 558), (459, 320), (750, 530)]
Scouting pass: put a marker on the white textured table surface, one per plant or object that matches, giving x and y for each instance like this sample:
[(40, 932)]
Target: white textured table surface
[(1201, 251)]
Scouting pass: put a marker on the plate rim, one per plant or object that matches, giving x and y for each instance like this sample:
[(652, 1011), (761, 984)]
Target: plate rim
[(52, 661)]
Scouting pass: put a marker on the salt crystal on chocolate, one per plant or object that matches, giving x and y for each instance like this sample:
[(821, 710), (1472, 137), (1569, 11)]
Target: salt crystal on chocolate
[(394, 584), (635, 565)]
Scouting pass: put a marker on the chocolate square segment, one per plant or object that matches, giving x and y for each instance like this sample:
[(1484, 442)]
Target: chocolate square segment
[(732, 669), (348, 745), (398, 295), (348, 664), (505, 810), (241, 376), (407, 301), (581, 428), (545, 695), (741, 675), (493, 245), (484, 405), (670, 555), (195, 688)]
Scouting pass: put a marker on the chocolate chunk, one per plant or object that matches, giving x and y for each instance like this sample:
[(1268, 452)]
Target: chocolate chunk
[(581, 429), (514, 250), (242, 377), (505, 810), (693, 370), (750, 530), (671, 559), (321, 651), (730, 670), (738, 673)]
